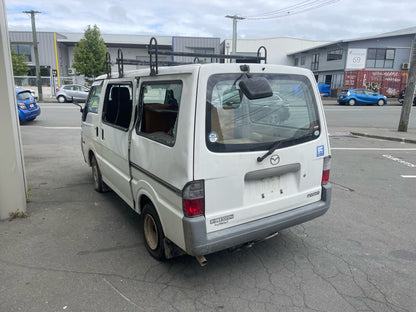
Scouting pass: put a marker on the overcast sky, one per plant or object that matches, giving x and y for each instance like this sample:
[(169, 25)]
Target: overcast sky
[(342, 19)]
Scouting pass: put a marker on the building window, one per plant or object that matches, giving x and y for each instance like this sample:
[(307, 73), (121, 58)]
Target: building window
[(302, 60), (296, 61), (25, 49), (335, 54), (315, 62), (380, 58)]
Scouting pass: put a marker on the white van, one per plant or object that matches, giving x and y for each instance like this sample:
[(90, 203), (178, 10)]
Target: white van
[(212, 155)]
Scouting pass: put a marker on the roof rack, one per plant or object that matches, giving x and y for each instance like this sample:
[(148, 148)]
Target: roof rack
[(154, 62)]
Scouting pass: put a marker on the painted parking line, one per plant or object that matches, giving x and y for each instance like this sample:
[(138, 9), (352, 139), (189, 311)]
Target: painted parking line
[(400, 161), (408, 176), (372, 149), (57, 128)]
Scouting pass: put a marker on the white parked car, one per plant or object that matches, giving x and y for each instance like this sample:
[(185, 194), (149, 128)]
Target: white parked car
[(211, 155)]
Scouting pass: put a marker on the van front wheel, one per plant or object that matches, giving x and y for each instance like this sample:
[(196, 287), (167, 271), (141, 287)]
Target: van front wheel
[(99, 185), (153, 232)]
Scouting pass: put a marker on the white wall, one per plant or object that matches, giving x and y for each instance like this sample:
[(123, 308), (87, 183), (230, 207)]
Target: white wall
[(12, 177), (277, 48)]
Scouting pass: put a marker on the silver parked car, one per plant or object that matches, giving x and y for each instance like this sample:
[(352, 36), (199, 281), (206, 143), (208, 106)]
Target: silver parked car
[(72, 92)]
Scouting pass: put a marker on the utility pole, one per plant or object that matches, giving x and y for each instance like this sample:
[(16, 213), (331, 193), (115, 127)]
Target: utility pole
[(35, 48), (410, 91), (235, 18)]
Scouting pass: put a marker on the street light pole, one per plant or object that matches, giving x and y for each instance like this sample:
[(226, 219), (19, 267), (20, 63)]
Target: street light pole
[(235, 18), (35, 48)]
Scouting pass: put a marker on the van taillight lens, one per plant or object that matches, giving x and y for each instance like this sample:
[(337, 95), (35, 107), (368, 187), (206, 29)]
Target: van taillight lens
[(326, 170), (193, 197)]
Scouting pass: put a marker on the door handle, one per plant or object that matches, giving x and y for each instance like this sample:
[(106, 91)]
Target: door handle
[(102, 134), (96, 131)]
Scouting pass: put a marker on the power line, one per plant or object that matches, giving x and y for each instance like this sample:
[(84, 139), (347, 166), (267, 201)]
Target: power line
[(300, 7)]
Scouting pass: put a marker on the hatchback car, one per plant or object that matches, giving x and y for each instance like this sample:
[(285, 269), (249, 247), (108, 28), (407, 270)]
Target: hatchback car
[(26, 105), (71, 93), (361, 96)]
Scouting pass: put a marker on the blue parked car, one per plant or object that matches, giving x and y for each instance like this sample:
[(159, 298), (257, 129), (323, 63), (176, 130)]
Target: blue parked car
[(26, 105), (361, 96)]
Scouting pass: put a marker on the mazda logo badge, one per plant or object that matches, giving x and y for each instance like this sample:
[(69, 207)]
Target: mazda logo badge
[(274, 160)]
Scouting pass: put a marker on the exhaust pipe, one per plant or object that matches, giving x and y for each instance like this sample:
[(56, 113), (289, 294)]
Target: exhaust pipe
[(202, 261)]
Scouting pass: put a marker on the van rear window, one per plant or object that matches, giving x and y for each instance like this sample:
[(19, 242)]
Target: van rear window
[(234, 123)]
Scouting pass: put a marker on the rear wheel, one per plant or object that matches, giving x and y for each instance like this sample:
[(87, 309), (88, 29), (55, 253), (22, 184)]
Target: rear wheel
[(61, 99), (153, 232), (351, 102), (380, 102)]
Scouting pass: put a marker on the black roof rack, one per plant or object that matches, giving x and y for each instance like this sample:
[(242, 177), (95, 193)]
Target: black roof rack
[(154, 62)]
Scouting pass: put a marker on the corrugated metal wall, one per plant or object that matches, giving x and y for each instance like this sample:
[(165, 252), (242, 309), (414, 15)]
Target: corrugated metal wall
[(388, 83), (46, 46), (190, 44)]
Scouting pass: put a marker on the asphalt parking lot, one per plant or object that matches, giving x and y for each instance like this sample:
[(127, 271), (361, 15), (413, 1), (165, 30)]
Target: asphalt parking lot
[(79, 250)]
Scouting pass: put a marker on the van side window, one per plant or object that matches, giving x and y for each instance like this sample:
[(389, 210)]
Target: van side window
[(117, 108), (160, 102), (94, 97)]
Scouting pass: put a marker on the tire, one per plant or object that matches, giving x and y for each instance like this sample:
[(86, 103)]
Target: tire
[(61, 99), (380, 102), (153, 233), (352, 102), (99, 184)]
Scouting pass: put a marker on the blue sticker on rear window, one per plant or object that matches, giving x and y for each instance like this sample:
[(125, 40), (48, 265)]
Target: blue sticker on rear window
[(320, 151)]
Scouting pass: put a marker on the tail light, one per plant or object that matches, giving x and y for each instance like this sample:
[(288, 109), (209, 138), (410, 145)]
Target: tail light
[(193, 197), (326, 169), (21, 105)]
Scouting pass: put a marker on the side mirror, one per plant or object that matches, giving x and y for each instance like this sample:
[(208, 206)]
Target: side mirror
[(81, 108), (256, 88)]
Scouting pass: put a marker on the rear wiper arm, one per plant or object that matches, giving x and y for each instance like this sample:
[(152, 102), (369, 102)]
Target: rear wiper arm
[(277, 144)]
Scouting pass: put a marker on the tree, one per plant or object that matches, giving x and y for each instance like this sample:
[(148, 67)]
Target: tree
[(89, 54), (19, 65)]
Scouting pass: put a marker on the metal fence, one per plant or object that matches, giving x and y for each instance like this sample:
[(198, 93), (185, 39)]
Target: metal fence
[(49, 84)]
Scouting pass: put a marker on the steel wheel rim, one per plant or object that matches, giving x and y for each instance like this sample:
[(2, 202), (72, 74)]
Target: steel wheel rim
[(150, 232)]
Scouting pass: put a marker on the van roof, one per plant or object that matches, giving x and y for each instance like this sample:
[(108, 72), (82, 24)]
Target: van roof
[(215, 67)]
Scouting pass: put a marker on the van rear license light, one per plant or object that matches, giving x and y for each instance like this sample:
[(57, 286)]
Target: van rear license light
[(326, 170), (21, 105), (193, 197)]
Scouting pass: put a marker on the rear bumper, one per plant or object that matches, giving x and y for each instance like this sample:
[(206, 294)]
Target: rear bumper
[(29, 113), (198, 242)]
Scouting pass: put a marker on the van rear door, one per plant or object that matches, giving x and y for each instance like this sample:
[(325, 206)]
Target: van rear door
[(234, 134)]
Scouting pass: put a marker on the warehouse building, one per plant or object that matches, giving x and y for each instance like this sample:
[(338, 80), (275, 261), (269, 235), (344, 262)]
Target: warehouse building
[(378, 62)]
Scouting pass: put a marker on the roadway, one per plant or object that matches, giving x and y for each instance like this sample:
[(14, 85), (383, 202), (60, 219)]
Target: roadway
[(83, 251)]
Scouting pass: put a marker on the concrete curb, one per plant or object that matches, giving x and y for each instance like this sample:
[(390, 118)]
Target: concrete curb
[(404, 140)]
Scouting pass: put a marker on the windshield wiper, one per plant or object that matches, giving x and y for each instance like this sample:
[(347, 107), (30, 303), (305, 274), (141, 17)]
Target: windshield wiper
[(277, 144)]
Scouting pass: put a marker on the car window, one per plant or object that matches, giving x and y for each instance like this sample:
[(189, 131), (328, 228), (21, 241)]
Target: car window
[(117, 109), (236, 124), (160, 104), (25, 95), (94, 97)]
